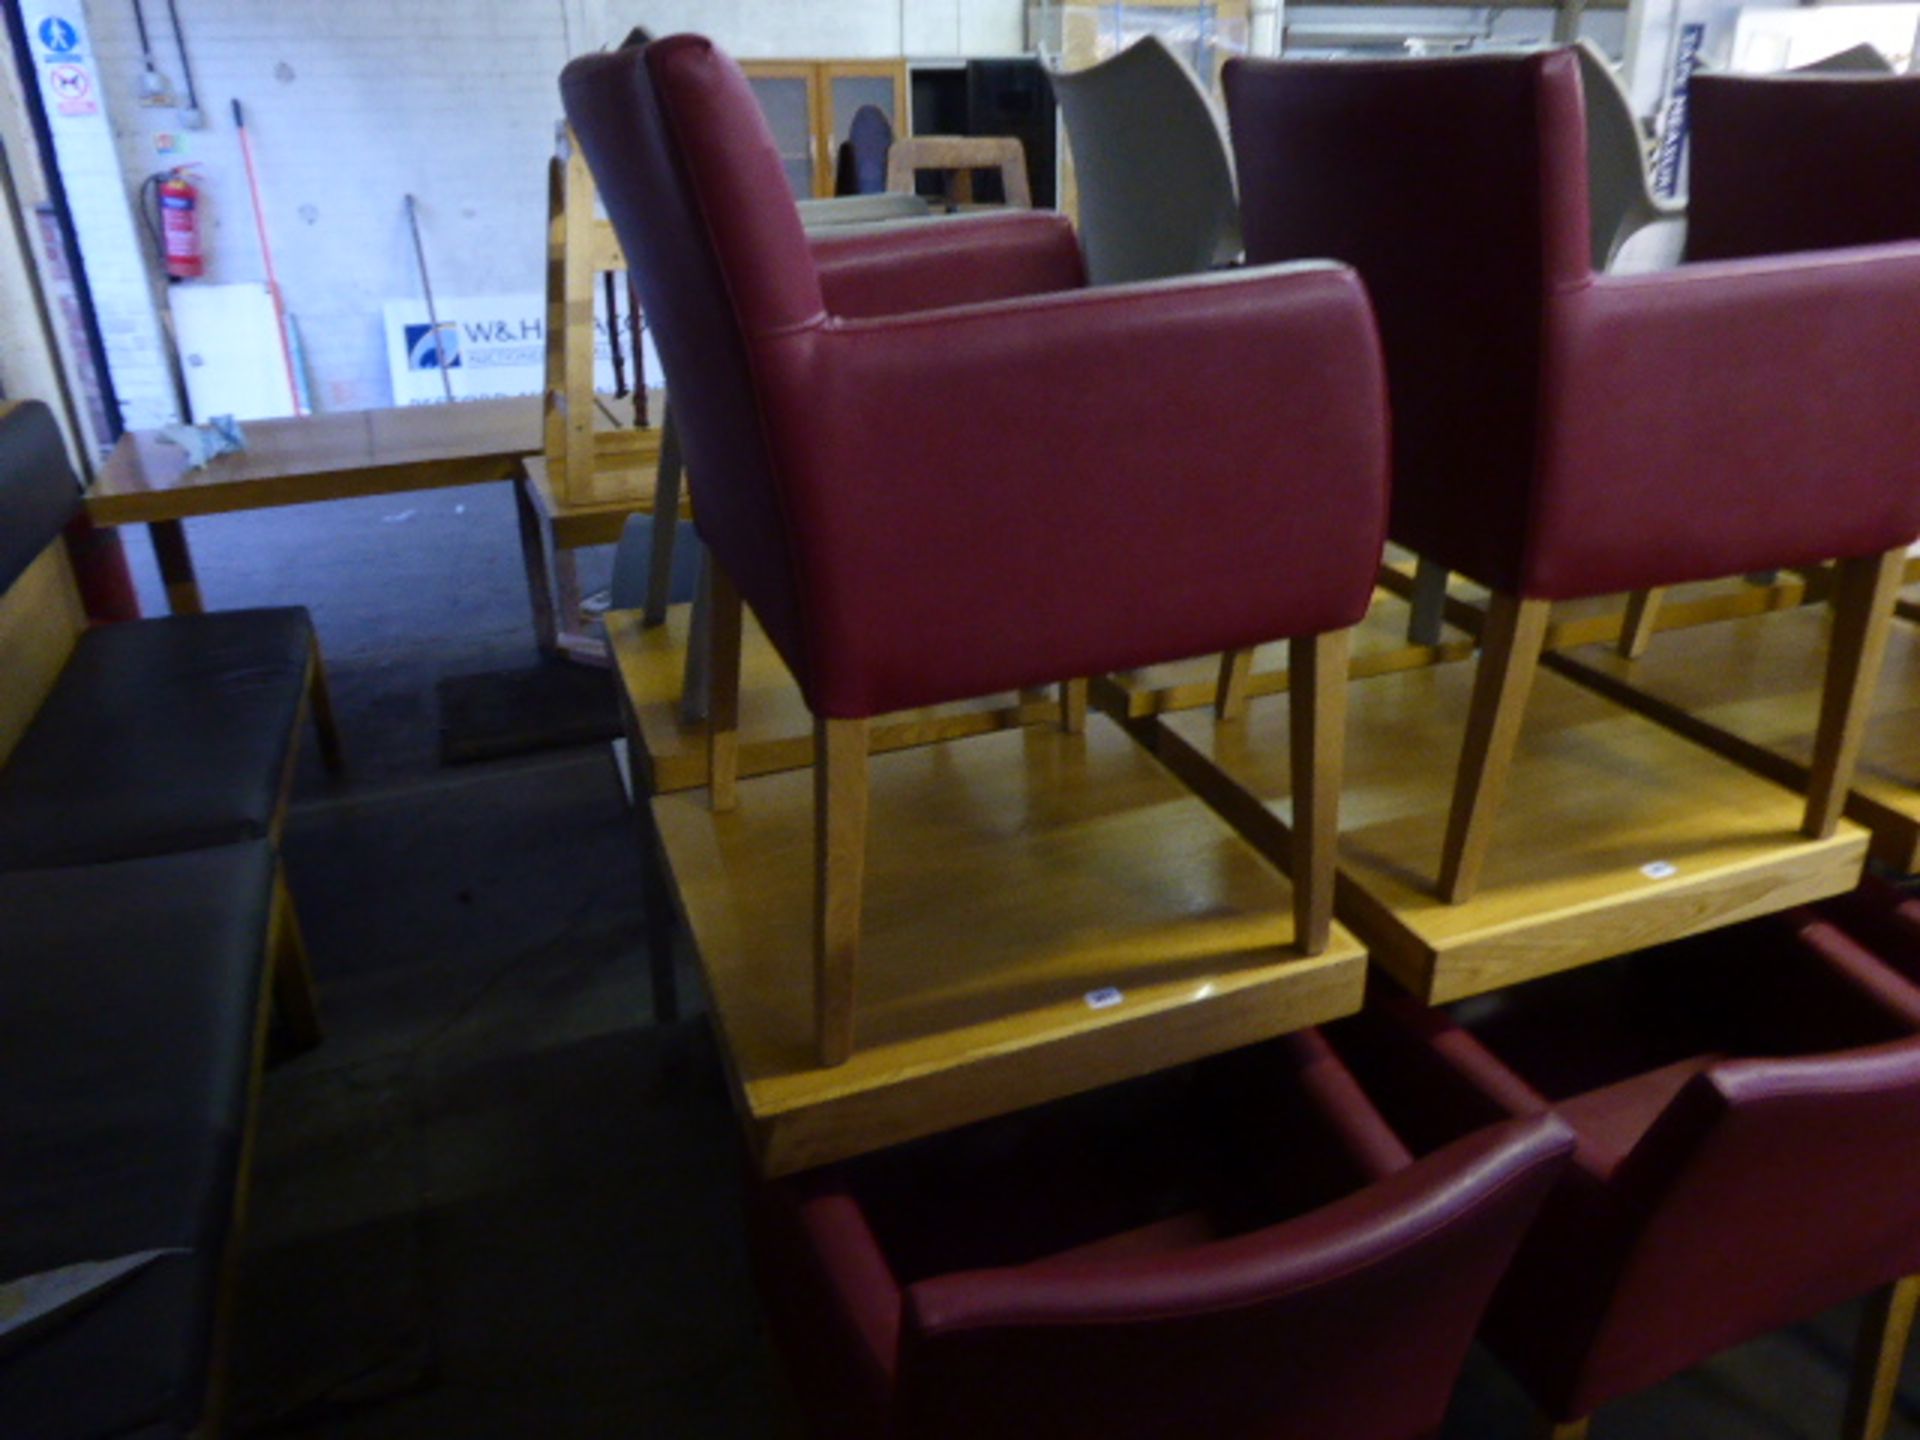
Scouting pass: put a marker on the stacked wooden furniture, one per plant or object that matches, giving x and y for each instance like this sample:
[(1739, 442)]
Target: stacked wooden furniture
[(1086, 917), (1621, 834), (1769, 721), (594, 471), (1784, 173), (145, 933), (1045, 909)]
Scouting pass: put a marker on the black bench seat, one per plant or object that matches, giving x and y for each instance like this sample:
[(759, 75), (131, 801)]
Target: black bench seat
[(166, 734), (130, 1014)]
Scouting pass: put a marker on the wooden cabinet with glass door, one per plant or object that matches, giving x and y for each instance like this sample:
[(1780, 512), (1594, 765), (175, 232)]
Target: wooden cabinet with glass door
[(810, 104)]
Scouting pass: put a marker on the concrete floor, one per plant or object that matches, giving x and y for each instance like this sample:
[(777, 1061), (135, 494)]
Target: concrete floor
[(499, 1201)]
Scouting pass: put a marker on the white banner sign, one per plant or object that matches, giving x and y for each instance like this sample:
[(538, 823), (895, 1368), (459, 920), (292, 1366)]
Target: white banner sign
[(494, 345)]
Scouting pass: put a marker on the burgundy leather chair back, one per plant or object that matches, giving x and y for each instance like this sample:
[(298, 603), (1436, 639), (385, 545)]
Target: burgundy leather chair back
[(1457, 188), (692, 181), (1767, 1191), (1802, 162), (1350, 1321)]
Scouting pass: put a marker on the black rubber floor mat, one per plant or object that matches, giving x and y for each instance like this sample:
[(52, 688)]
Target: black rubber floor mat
[(514, 712)]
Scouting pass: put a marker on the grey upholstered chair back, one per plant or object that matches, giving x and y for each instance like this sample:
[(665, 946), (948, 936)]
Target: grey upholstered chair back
[(1153, 167), (1620, 198), (1861, 59)]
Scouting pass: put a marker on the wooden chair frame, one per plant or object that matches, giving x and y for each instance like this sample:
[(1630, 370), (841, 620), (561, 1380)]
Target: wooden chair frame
[(959, 156), (1317, 707), (585, 465), (589, 469), (1511, 641)]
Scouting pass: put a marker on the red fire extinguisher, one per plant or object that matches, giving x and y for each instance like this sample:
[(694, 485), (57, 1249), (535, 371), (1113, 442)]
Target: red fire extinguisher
[(180, 226)]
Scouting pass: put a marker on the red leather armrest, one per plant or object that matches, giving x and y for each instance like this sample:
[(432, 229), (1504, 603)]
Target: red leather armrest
[(1727, 417), (1008, 494), (892, 269), (1376, 1226), (1350, 1116), (1859, 969), (836, 1239), (1436, 1066)]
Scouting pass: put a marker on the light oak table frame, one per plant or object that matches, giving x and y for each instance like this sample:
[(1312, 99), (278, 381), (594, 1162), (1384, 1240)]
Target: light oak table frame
[(339, 456), (956, 157), (1517, 630), (1316, 699), (1050, 913), (668, 746), (1750, 689), (1619, 834), (589, 477)]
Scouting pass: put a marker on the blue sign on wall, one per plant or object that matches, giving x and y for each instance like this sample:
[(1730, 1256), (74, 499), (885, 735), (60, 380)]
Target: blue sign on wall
[(424, 354), (59, 36)]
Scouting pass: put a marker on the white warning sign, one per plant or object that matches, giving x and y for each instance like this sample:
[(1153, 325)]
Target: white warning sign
[(71, 89)]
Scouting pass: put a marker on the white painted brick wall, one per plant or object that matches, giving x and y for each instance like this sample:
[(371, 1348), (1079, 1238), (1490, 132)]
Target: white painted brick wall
[(353, 103), (116, 272), (825, 28)]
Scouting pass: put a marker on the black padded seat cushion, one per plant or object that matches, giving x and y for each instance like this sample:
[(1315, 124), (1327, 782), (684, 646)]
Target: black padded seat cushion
[(129, 995), (38, 493), (160, 735)]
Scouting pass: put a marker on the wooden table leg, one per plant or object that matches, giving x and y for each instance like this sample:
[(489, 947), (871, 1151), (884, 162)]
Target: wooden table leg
[(1511, 638), (1636, 626), (566, 592), (1884, 1328), (292, 976), (656, 888), (723, 690), (666, 522), (533, 549), (1864, 592), (1428, 603), (176, 567), (656, 896), (694, 687)]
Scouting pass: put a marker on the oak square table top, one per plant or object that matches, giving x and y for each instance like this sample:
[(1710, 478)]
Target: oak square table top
[(333, 456), (1044, 914), (1616, 834), (1750, 689)]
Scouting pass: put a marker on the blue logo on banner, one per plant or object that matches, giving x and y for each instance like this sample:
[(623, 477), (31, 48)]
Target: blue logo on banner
[(423, 354), (59, 36)]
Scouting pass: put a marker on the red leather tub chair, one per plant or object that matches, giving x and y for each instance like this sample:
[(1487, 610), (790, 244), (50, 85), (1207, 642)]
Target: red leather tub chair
[(1230, 1255), (1784, 163), (1746, 1106), (936, 466), (1560, 434)]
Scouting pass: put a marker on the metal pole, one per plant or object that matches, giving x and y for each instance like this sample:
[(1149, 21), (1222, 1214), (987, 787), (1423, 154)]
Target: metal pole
[(613, 337), (433, 315), (266, 256)]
